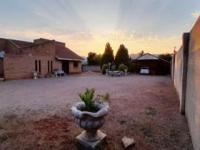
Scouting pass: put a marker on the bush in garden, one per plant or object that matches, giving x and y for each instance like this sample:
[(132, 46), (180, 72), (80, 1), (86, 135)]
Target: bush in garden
[(104, 68), (123, 67), (113, 67)]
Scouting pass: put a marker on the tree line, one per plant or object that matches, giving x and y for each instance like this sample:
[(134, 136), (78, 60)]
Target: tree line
[(107, 57), (121, 57)]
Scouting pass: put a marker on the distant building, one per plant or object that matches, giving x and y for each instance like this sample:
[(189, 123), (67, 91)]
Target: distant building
[(19, 59), (153, 63)]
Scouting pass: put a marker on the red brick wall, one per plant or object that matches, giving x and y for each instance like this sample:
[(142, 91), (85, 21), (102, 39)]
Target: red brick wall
[(18, 66), (2, 44), (74, 69)]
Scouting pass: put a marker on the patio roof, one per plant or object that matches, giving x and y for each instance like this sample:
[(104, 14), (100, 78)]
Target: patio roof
[(64, 53)]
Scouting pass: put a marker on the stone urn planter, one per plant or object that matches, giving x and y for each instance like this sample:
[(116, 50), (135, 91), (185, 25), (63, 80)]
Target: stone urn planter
[(91, 122)]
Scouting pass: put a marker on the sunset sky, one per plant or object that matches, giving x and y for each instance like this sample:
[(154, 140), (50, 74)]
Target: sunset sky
[(154, 26)]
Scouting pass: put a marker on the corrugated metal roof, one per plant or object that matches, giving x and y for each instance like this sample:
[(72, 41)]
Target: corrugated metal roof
[(147, 57)]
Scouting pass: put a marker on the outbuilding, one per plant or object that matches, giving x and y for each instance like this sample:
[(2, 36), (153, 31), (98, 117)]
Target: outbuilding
[(151, 64)]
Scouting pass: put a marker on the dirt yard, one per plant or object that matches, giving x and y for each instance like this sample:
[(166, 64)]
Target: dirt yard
[(35, 114)]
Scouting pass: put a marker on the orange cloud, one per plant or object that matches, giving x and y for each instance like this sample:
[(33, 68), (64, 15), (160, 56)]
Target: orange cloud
[(82, 43)]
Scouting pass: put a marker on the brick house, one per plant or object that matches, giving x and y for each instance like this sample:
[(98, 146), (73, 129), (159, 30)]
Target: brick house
[(19, 59)]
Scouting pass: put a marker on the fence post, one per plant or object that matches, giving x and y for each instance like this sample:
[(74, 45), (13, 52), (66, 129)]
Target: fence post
[(173, 65), (186, 41)]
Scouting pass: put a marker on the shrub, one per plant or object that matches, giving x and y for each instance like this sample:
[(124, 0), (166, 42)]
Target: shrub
[(122, 67), (113, 67), (104, 67), (88, 97)]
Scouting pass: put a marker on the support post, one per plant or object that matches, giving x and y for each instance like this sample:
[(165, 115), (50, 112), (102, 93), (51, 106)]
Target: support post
[(186, 41), (173, 66)]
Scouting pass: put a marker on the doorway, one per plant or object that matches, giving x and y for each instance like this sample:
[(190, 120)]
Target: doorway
[(1, 68), (65, 66)]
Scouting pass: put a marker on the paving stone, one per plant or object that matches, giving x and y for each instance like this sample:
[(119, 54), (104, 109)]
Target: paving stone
[(127, 142)]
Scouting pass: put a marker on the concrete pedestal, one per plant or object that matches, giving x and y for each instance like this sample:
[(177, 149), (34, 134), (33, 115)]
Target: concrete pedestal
[(85, 144)]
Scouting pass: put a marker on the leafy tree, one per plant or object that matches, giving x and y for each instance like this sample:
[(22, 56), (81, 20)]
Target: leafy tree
[(108, 56), (122, 56), (167, 57), (104, 68), (123, 67), (98, 59), (90, 58), (93, 59)]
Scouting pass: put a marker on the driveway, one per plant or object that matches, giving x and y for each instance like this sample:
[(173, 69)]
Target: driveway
[(36, 113)]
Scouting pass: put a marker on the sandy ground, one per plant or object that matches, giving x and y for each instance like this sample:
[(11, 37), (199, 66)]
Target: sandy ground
[(35, 114)]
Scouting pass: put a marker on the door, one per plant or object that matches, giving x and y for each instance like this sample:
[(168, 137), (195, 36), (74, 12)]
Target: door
[(65, 66), (1, 68)]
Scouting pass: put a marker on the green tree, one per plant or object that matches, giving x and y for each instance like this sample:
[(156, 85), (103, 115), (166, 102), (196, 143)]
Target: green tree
[(90, 58), (93, 59), (108, 56), (122, 56), (98, 59), (104, 68), (123, 67)]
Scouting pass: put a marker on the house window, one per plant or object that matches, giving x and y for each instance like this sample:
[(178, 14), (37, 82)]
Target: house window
[(39, 66), (75, 64), (36, 65), (51, 66), (48, 66)]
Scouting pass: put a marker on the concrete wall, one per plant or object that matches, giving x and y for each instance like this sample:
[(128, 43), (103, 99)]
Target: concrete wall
[(178, 71), (193, 86), (87, 68), (191, 97)]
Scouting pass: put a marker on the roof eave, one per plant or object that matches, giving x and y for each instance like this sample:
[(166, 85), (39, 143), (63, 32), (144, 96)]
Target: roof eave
[(69, 59)]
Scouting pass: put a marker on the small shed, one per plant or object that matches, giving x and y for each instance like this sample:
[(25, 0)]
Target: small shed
[(156, 65)]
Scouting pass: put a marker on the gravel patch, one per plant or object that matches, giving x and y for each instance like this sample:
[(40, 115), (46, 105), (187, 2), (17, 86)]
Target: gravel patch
[(35, 114)]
